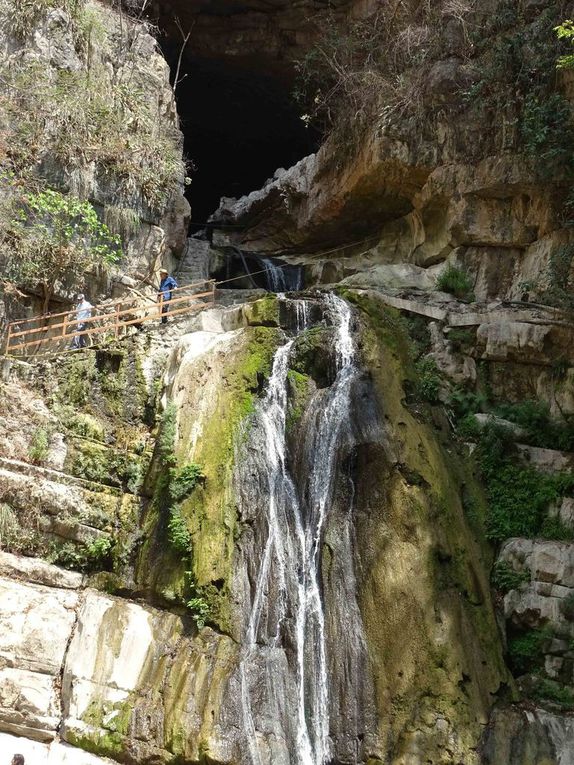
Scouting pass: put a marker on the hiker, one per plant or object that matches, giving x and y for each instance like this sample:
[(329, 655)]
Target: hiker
[(166, 285), (83, 312), (18, 759)]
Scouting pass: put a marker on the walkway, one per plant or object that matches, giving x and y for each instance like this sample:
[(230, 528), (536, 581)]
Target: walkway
[(57, 331)]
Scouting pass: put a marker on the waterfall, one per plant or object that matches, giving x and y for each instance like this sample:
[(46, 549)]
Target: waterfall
[(282, 277), (284, 666)]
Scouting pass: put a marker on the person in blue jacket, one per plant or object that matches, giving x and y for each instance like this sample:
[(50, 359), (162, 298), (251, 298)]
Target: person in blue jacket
[(166, 285)]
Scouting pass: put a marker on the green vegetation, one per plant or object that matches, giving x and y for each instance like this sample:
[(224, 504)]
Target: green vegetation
[(88, 558), (428, 380), (565, 31), (177, 532), (456, 282), (539, 427), (506, 578), (95, 121), (184, 481), (464, 402), (196, 601), (299, 387), (55, 238), (372, 71), (461, 339), (518, 495), (9, 525), (547, 131), (555, 693), (526, 652), (24, 15), (39, 446)]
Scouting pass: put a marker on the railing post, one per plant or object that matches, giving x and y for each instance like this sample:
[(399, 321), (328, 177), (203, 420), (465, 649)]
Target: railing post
[(65, 326), (117, 322), (160, 304), (8, 338)]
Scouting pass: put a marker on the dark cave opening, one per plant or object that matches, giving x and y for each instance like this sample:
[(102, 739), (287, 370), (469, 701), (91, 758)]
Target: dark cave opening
[(240, 124)]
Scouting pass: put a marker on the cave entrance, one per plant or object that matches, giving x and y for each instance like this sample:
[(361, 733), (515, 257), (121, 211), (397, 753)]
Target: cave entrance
[(240, 124)]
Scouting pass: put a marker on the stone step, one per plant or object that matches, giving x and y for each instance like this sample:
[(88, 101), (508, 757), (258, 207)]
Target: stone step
[(25, 468)]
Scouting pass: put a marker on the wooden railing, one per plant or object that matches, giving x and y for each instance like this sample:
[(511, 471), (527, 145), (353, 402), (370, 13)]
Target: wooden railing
[(56, 331)]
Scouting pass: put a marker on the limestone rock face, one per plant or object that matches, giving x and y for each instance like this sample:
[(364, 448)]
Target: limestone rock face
[(142, 203), (519, 737), (31, 665), (126, 684), (551, 569)]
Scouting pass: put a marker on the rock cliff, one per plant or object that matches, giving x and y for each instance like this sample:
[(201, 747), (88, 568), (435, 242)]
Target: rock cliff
[(331, 526)]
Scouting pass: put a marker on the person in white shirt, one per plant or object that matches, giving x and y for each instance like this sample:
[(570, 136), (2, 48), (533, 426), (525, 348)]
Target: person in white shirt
[(83, 312)]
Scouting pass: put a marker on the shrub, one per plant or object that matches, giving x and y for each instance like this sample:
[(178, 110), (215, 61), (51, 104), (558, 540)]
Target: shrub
[(21, 18), (547, 131), (550, 690), (196, 601), (558, 290), (184, 481), (427, 383), (518, 495), (506, 578), (39, 446), (526, 652), (94, 556), (57, 238), (464, 402), (540, 428), (200, 610), (419, 334), (456, 282), (469, 428), (554, 528), (166, 438), (99, 553), (177, 532)]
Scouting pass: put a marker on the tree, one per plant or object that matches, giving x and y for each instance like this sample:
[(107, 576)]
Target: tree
[(55, 238)]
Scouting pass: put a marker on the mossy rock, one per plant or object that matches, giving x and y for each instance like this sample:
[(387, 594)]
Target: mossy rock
[(300, 388), (209, 513), (264, 312), (312, 355)]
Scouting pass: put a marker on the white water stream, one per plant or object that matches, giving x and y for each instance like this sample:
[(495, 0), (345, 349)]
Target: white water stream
[(288, 584)]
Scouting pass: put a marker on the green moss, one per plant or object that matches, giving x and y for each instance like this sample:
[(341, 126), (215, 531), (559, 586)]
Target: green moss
[(299, 388), (264, 312), (425, 565), (208, 511), (85, 425), (106, 739), (76, 378)]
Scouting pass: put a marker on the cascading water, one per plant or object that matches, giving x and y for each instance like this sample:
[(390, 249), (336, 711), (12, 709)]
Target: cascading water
[(282, 277), (284, 670)]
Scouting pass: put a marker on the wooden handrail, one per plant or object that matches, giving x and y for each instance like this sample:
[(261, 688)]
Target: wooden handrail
[(107, 315), (49, 316), (111, 321)]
